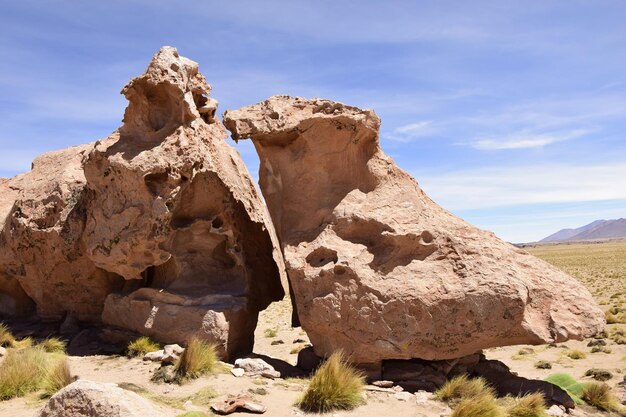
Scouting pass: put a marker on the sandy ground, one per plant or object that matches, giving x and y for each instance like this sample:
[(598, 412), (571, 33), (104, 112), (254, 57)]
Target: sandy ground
[(279, 395)]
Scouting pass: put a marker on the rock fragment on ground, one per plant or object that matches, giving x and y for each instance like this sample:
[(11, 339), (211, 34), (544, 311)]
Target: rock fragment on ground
[(257, 366), (239, 402)]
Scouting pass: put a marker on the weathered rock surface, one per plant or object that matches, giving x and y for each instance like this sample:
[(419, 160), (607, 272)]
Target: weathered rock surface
[(373, 262), (93, 399), (42, 260), (174, 207), (156, 229)]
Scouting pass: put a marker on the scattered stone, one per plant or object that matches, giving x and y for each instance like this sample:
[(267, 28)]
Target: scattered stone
[(174, 349), (599, 374), (403, 396), (383, 384), (169, 359), (277, 342), (405, 268), (156, 356), (596, 342), (93, 399), (234, 403), (256, 366), (379, 389), (299, 341), (270, 374), (238, 372), (423, 397), (556, 411)]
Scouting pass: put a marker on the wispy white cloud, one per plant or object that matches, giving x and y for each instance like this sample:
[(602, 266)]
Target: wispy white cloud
[(509, 186), (525, 141), (412, 131)]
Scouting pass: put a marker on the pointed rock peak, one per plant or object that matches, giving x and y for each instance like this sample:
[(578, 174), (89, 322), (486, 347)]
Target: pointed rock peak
[(170, 93)]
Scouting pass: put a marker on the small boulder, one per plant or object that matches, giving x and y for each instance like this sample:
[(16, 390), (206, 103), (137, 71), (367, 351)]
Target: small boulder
[(403, 396), (383, 384), (238, 372), (256, 366), (154, 356), (173, 349)]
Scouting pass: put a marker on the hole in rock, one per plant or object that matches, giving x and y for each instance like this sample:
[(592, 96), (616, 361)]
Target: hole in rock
[(155, 182), (217, 223), (389, 250), (321, 256)]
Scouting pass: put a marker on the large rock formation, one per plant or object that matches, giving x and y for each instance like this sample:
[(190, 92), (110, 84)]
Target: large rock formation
[(157, 228), (173, 205), (376, 267)]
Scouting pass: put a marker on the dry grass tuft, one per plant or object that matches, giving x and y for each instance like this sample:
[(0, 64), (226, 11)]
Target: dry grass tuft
[(141, 346), (461, 387), (53, 345), (481, 406), (575, 354), (530, 405), (615, 315), (57, 377), (618, 336), (6, 337), (23, 343), (22, 372), (599, 395), (270, 332), (335, 386), (199, 358)]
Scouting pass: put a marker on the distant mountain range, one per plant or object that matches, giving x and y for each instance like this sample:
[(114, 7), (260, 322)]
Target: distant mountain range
[(599, 229)]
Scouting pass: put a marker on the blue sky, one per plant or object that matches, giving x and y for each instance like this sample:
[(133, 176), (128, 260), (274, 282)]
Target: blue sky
[(512, 114)]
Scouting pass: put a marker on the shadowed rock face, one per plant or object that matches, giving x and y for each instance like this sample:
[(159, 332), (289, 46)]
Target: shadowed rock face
[(376, 267), (157, 228)]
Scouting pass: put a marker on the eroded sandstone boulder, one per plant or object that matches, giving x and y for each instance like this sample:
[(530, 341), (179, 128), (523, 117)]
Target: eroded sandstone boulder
[(173, 208), (157, 228), (376, 267), (42, 257)]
